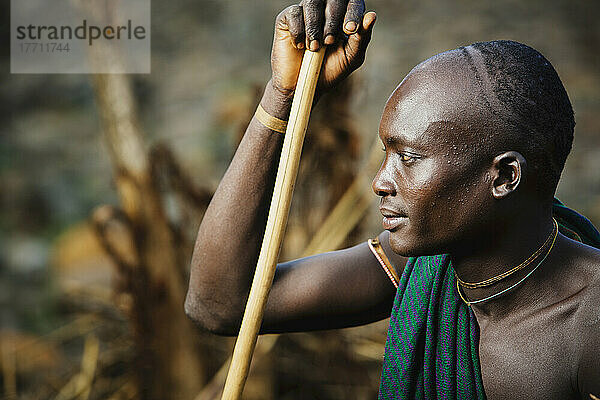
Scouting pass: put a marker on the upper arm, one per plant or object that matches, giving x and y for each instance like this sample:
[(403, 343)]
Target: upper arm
[(331, 290)]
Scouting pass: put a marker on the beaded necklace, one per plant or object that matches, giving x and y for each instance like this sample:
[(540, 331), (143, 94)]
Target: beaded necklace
[(553, 235), (494, 279)]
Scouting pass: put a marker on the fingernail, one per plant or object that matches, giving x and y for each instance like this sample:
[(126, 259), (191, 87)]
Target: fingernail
[(329, 39), (314, 45), (300, 45), (350, 26)]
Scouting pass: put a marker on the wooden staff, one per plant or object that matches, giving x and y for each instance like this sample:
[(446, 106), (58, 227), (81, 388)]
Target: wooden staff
[(276, 222)]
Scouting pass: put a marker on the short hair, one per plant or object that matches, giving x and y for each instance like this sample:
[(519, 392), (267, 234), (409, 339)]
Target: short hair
[(537, 115)]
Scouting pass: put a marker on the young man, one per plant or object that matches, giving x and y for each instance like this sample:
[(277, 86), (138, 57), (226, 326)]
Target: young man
[(475, 140)]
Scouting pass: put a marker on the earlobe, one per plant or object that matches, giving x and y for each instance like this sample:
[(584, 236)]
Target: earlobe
[(508, 169)]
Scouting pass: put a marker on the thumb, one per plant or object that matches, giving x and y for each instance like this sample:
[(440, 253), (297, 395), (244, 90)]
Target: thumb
[(358, 42)]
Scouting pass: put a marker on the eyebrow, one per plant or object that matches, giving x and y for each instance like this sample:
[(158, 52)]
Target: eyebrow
[(410, 146), (393, 140), (431, 138)]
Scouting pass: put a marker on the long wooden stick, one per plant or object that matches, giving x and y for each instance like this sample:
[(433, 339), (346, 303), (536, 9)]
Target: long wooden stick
[(276, 222)]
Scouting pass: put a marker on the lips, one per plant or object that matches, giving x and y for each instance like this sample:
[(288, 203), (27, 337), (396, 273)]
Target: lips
[(392, 219)]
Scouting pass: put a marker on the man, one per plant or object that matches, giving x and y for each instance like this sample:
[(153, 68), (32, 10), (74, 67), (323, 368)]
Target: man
[(475, 140)]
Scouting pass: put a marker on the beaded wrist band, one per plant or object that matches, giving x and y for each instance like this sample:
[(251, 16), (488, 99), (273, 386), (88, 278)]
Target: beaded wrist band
[(269, 121)]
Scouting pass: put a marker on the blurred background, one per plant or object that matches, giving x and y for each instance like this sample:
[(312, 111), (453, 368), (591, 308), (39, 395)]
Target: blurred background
[(99, 212)]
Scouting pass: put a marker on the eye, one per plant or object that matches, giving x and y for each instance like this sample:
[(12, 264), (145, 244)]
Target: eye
[(408, 158)]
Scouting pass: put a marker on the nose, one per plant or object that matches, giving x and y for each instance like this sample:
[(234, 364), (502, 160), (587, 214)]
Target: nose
[(383, 184)]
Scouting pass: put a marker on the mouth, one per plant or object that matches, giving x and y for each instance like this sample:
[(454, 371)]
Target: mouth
[(392, 219)]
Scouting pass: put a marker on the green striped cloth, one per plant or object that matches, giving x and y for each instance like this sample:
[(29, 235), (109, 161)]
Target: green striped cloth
[(433, 338)]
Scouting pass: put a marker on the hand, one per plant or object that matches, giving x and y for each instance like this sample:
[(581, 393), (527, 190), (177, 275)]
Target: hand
[(341, 25)]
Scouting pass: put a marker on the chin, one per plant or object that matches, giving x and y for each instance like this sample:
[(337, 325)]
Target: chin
[(402, 245)]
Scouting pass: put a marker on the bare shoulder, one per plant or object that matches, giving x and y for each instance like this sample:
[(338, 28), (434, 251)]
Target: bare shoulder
[(575, 287), (588, 314), (586, 333), (582, 273), (586, 267)]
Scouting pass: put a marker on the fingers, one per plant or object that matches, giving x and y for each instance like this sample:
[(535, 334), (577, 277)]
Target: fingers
[(314, 18), (294, 19), (334, 14), (368, 22), (364, 30), (325, 21), (354, 16), (358, 42)]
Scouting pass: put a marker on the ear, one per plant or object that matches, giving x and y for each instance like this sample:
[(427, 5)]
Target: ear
[(507, 171)]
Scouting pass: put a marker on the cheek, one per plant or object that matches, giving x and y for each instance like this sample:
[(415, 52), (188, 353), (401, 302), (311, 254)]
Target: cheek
[(441, 201), (427, 192), (457, 206), (434, 212)]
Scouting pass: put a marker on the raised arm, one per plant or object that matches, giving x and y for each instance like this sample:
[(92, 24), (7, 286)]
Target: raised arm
[(330, 290)]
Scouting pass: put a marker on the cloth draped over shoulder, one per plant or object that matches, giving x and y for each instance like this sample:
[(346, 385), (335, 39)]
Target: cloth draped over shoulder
[(432, 348)]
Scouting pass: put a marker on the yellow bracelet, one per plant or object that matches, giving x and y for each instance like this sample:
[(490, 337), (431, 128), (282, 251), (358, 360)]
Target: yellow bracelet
[(269, 121)]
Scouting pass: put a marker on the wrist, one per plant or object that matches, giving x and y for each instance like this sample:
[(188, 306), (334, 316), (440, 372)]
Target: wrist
[(277, 102)]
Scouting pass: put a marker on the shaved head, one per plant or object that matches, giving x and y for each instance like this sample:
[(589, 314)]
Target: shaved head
[(503, 96)]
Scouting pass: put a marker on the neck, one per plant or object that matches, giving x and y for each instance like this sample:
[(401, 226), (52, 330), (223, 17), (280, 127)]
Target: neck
[(509, 244)]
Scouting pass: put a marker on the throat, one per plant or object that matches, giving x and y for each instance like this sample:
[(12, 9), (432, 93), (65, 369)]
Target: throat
[(490, 283)]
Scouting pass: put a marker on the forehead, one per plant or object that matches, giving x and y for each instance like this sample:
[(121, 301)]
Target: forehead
[(440, 92)]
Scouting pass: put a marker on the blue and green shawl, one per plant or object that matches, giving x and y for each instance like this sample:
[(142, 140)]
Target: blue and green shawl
[(433, 339)]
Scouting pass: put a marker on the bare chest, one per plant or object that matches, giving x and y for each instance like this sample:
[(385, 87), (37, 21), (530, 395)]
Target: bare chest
[(527, 361)]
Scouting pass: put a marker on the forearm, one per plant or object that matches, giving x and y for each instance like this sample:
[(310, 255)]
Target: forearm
[(230, 235)]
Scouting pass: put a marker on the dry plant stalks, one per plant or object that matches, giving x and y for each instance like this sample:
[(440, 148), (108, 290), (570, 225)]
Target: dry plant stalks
[(214, 387), (348, 211), (80, 385), (184, 201), (169, 363), (25, 355), (163, 160), (127, 391), (9, 369)]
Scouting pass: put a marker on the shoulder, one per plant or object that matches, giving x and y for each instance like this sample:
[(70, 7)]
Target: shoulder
[(582, 264), (587, 264), (588, 314), (586, 335), (574, 290)]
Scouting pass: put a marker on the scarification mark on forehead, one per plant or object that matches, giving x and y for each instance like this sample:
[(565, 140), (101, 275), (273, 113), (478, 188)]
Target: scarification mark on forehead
[(477, 66), (477, 73)]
